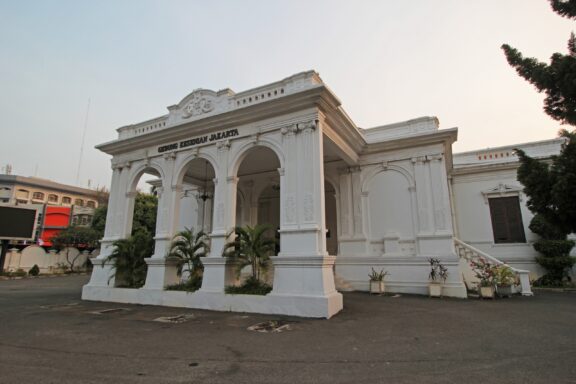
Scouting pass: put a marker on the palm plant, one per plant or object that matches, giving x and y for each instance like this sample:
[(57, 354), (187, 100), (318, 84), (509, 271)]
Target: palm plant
[(128, 257), (188, 247), (251, 247)]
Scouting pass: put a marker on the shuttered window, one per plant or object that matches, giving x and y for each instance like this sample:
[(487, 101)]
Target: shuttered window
[(507, 220)]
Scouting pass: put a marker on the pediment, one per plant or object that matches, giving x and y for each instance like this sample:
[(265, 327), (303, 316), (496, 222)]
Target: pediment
[(197, 103)]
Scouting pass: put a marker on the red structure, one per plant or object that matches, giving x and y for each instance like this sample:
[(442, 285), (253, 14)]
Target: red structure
[(55, 219)]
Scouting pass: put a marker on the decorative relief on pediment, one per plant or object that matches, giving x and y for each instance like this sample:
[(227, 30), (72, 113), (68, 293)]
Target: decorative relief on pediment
[(199, 105), (502, 190)]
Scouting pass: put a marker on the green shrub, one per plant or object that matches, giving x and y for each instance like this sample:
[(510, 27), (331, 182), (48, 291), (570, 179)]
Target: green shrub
[(554, 248), (192, 285), (545, 229), (556, 260), (252, 286), (34, 271), (128, 257)]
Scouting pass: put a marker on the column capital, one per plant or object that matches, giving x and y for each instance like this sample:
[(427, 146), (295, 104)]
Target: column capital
[(419, 159), (169, 156), (308, 126), (223, 145), (289, 130)]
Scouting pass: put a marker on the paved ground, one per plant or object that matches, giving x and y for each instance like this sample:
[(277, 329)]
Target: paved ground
[(47, 335)]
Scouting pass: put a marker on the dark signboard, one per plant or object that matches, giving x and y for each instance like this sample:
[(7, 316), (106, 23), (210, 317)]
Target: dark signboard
[(17, 223)]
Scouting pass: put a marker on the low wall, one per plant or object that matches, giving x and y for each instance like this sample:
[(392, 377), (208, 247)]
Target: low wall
[(48, 261)]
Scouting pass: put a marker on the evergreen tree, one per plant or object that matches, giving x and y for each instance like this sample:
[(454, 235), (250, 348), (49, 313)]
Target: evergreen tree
[(551, 189), (557, 79), (551, 192)]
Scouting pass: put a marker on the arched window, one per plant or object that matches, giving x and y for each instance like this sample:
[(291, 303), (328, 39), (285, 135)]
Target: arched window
[(52, 198), (91, 204), (66, 200), (79, 202), (22, 194)]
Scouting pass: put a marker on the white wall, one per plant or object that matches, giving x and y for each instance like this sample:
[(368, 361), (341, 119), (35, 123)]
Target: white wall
[(48, 262)]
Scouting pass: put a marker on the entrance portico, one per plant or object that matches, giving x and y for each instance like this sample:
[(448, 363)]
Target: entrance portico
[(262, 155)]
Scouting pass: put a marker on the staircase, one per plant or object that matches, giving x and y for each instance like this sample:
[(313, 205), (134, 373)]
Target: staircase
[(467, 253)]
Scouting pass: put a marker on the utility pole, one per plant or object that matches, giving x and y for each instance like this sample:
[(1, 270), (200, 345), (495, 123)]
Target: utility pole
[(82, 145)]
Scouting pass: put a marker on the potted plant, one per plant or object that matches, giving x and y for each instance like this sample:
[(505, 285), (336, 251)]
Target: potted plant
[(377, 281), (437, 277), (504, 278), (485, 272)]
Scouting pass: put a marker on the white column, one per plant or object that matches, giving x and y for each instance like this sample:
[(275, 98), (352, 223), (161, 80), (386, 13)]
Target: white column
[(162, 271), (303, 271), (441, 195), (423, 198), (352, 240), (218, 270), (103, 271)]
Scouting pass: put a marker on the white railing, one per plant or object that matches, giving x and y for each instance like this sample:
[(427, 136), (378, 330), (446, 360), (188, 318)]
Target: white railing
[(469, 253)]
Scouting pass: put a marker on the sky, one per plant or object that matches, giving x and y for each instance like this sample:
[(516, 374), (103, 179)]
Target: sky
[(124, 61)]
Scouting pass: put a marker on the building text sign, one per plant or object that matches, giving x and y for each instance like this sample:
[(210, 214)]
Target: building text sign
[(199, 140)]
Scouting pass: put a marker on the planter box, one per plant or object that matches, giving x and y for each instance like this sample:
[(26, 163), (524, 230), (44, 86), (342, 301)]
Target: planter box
[(487, 292), (504, 290), (377, 287), (435, 289)]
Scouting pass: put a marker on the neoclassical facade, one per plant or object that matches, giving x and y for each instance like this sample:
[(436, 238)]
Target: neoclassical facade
[(343, 199)]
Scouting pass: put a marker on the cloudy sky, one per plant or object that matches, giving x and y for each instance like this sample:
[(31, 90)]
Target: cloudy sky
[(386, 60)]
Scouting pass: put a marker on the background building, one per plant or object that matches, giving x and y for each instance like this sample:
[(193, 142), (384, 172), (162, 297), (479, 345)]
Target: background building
[(58, 205)]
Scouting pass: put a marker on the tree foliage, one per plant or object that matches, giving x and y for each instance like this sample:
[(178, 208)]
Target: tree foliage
[(566, 8), (77, 237), (145, 208), (557, 79), (551, 189)]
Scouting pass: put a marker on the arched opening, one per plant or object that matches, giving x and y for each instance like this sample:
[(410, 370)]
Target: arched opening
[(197, 198), (331, 219), (390, 214), (143, 202), (259, 194), (136, 225)]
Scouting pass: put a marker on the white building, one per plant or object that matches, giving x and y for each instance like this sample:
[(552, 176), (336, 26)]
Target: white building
[(344, 199)]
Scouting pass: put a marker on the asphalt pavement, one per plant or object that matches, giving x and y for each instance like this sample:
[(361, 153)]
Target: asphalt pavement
[(48, 335)]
